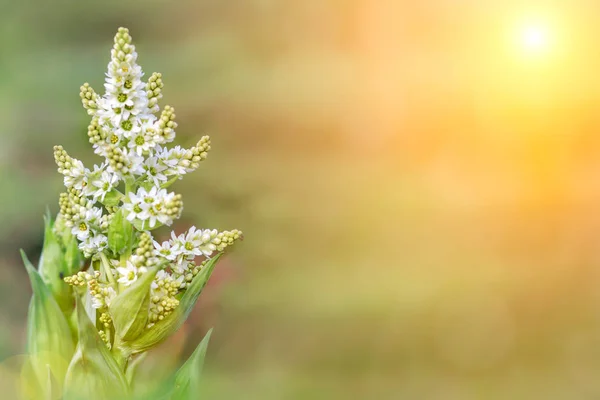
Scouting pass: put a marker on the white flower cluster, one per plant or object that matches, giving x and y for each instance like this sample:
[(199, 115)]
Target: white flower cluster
[(183, 249), (126, 131), (133, 181)]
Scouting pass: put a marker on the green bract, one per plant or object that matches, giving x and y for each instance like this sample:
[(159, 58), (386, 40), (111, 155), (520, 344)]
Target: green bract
[(49, 341), (105, 285), (168, 326), (93, 372)]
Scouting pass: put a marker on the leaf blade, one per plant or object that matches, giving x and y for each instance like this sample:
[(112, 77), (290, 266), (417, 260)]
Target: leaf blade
[(187, 378)]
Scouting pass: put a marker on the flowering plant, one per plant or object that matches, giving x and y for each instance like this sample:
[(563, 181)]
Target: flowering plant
[(106, 291)]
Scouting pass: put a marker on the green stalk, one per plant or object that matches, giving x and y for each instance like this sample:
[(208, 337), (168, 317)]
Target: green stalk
[(106, 265)]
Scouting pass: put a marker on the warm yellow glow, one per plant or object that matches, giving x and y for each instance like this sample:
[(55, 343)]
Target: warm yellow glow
[(535, 38)]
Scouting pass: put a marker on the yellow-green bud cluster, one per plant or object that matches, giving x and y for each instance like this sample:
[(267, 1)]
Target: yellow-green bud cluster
[(199, 152), (117, 160), (89, 98), (95, 290), (105, 339), (192, 271), (100, 293), (105, 221), (122, 46), (167, 124), (105, 319), (154, 90), (161, 307), (95, 134), (62, 159), (226, 238), (174, 207), (144, 252), (72, 204), (81, 278)]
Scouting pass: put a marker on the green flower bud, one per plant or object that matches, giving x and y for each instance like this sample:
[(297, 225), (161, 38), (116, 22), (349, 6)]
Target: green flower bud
[(129, 310), (187, 379), (120, 234), (93, 373), (49, 340), (171, 323)]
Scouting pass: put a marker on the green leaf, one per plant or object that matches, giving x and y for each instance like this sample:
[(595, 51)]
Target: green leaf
[(170, 182), (73, 256), (145, 225), (129, 310), (145, 184), (112, 198), (49, 340), (187, 379), (53, 267), (93, 373), (132, 367), (120, 233), (163, 329), (53, 387)]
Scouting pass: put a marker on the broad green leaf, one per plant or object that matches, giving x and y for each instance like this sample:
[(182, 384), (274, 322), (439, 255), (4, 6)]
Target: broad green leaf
[(53, 267), (187, 379), (93, 373), (163, 329), (129, 310), (49, 341), (120, 233), (112, 198)]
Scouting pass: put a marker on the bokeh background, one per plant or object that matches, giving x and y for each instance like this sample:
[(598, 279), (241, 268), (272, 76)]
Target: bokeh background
[(418, 183)]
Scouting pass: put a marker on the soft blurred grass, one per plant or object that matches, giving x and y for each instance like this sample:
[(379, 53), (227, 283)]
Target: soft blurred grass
[(398, 245)]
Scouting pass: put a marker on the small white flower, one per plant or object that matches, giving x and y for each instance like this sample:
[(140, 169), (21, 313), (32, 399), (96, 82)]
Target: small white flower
[(154, 171), (96, 302), (160, 275), (150, 201), (179, 281), (128, 128), (192, 241), (134, 205), (145, 140), (165, 250), (136, 163), (81, 229), (93, 244), (136, 105), (173, 159), (108, 116), (128, 274), (76, 176), (104, 184), (110, 295), (84, 221), (152, 206), (182, 266), (197, 242)]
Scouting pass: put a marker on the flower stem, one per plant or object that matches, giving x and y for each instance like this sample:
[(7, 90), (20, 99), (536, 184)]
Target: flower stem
[(106, 265)]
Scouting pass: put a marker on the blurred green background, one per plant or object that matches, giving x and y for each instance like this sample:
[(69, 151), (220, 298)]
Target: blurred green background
[(417, 183)]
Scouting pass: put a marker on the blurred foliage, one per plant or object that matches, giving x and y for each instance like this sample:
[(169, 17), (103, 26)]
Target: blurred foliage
[(420, 210)]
